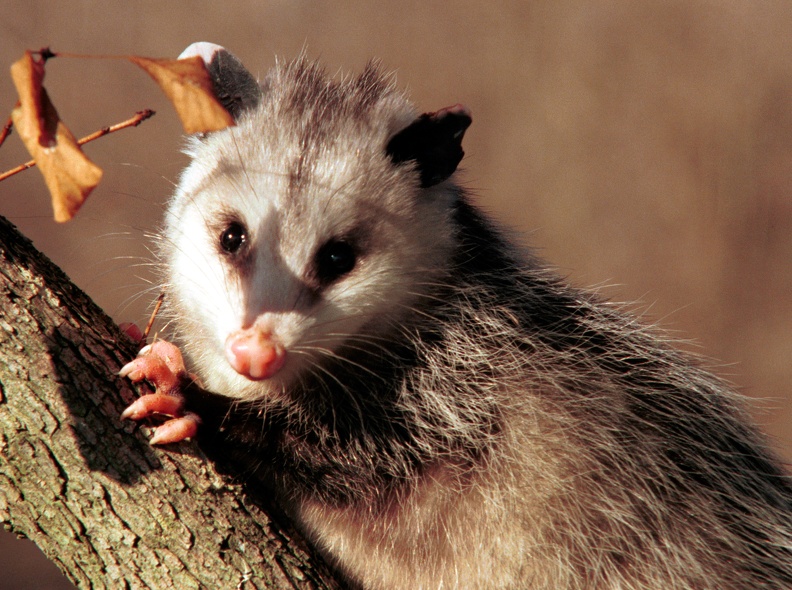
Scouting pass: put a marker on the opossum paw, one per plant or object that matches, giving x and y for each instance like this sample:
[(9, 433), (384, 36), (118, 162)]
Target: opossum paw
[(162, 365), (182, 425), (155, 403), (176, 429)]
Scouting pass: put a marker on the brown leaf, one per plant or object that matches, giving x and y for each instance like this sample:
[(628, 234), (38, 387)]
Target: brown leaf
[(69, 174), (28, 75), (188, 86)]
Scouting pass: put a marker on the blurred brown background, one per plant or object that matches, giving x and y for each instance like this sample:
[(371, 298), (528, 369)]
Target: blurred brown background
[(644, 147)]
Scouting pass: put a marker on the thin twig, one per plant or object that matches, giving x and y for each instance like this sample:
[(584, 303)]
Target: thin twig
[(46, 53), (139, 117), (6, 130), (17, 170), (154, 313)]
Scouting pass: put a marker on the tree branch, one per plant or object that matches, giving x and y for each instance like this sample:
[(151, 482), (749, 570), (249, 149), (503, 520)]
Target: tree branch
[(88, 489), (133, 121)]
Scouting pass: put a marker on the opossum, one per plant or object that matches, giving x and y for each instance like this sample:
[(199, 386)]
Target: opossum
[(430, 402)]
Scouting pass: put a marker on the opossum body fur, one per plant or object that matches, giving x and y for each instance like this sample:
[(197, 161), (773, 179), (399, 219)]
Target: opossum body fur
[(433, 406)]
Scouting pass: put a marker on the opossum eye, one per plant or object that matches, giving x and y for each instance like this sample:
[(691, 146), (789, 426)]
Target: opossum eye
[(333, 260), (234, 236)]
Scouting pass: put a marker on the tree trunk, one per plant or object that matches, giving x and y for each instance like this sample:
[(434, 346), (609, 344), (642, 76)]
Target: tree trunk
[(88, 489)]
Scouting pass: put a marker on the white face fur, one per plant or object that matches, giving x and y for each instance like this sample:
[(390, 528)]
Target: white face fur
[(292, 181)]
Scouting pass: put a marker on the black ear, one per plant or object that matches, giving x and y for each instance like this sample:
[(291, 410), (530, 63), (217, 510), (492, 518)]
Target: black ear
[(235, 87), (434, 142)]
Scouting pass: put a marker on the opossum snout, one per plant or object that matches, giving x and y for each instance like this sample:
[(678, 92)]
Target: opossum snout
[(254, 353)]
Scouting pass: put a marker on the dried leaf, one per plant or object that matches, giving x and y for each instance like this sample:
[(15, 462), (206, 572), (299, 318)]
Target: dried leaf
[(188, 86), (28, 75), (69, 174)]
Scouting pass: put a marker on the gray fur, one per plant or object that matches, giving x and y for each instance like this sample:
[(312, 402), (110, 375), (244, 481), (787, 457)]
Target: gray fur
[(455, 415)]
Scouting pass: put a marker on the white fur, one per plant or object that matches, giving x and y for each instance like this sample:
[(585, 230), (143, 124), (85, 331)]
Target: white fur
[(576, 487)]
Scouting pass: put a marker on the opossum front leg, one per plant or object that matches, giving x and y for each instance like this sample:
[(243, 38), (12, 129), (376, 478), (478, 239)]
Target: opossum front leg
[(162, 365)]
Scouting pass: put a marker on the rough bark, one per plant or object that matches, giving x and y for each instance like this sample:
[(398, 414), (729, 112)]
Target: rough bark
[(89, 490)]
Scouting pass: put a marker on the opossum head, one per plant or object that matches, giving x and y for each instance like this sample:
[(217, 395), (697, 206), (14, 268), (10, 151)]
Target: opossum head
[(314, 223)]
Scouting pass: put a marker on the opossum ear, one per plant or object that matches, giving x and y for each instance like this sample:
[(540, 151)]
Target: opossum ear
[(434, 142), (235, 87)]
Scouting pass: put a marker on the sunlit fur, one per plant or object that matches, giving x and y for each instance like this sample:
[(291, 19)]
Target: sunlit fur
[(540, 438)]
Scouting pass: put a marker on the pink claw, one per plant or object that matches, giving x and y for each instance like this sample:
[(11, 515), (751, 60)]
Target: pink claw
[(176, 430), (155, 403), (161, 364)]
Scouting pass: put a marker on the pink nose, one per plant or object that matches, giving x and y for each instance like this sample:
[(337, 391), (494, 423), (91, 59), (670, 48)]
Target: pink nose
[(254, 354)]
